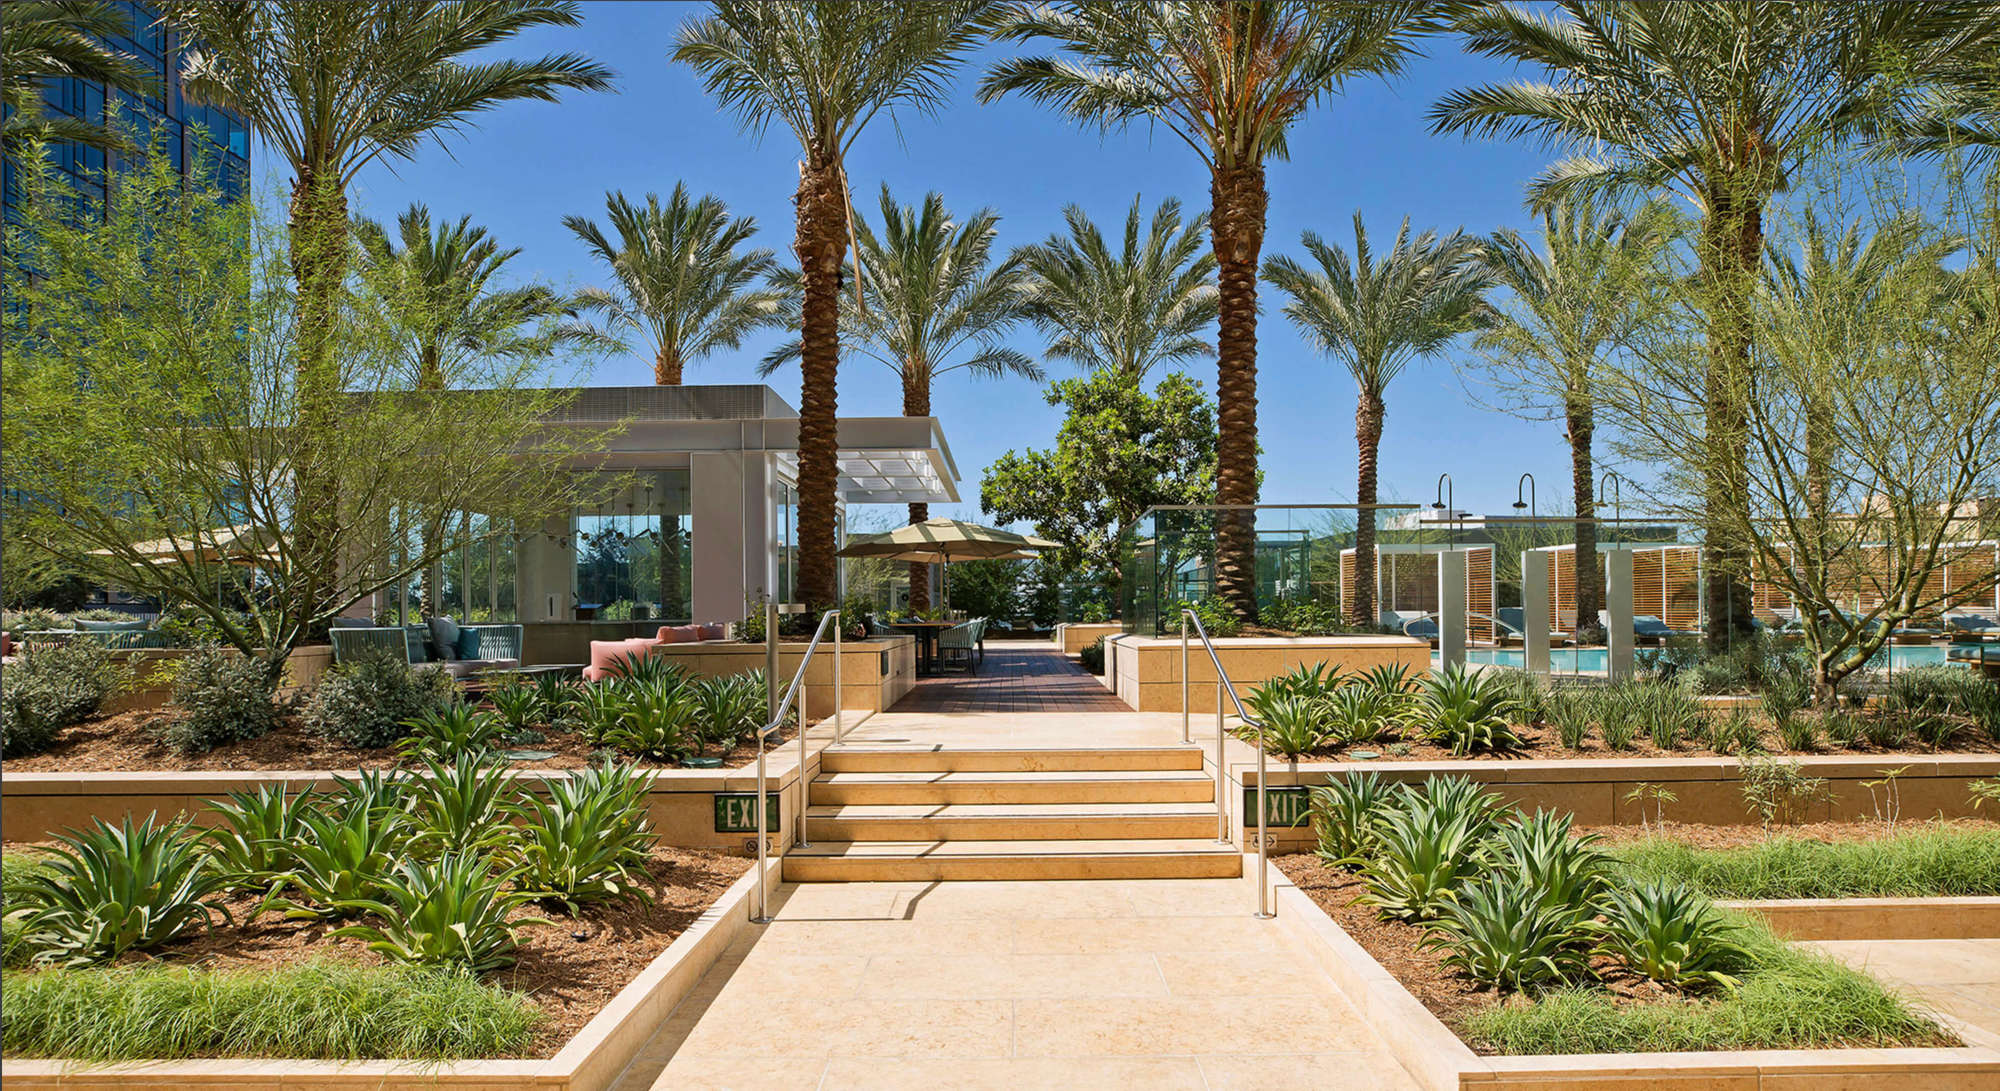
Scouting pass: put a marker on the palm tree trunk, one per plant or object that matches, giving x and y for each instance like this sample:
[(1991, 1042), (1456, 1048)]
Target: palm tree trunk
[(821, 245), (1581, 424), (1236, 225), (667, 367), (917, 403), (1732, 247), (1368, 414), (318, 239)]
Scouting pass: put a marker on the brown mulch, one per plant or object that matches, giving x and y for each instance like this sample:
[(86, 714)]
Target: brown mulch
[(1727, 837), (571, 968), (126, 743), (1540, 742)]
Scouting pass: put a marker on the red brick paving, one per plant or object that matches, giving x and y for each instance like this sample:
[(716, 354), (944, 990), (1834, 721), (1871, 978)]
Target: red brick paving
[(1031, 679)]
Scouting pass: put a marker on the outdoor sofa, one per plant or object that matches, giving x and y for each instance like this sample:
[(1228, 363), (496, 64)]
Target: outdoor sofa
[(463, 650)]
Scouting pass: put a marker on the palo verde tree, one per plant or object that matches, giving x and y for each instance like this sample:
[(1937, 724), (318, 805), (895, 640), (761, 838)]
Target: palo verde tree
[(1229, 79), (1376, 316), (824, 69), (931, 301), (331, 88), (154, 415), (682, 275), (1721, 102), (1568, 304)]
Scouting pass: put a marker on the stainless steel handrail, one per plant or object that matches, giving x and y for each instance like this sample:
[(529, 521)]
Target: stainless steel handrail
[(1224, 685), (777, 719)]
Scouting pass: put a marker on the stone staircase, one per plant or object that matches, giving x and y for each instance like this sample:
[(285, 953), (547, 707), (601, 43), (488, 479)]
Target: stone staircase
[(888, 814)]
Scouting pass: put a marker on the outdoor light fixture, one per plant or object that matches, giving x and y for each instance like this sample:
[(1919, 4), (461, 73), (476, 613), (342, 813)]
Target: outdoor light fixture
[(1615, 482), (1526, 481)]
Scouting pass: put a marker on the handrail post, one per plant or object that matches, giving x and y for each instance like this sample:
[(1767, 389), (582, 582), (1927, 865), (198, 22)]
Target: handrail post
[(1221, 768), (1184, 687), (837, 702), (763, 896), (1263, 837), (1222, 685)]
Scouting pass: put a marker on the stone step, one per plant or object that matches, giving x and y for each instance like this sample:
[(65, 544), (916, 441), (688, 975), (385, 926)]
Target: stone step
[(852, 758), (926, 861), (1002, 822), (1095, 786)]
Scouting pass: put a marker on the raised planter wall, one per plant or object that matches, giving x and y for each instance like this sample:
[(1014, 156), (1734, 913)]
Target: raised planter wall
[(1073, 637), (1145, 671), (874, 673)]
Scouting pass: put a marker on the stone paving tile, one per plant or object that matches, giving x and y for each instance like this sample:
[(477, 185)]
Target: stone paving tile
[(1958, 977)]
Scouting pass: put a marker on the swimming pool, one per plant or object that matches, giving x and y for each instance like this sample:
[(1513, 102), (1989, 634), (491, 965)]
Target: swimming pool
[(1596, 660)]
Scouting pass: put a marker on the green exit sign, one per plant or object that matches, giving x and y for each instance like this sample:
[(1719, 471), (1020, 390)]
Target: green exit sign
[(736, 812), (1286, 806)]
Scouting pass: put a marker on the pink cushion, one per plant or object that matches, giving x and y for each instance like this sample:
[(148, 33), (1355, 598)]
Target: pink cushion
[(680, 634), (607, 655), (668, 634), (718, 630)]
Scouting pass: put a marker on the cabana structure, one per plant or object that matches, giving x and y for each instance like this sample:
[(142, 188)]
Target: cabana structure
[(1666, 583), (1406, 583), (1965, 582)]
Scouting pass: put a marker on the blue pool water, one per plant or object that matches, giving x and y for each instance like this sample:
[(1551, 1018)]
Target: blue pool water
[(1594, 660)]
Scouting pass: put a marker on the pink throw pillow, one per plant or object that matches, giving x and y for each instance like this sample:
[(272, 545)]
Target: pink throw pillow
[(718, 630)]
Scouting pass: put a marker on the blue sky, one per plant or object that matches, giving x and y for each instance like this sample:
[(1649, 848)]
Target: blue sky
[(528, 165)]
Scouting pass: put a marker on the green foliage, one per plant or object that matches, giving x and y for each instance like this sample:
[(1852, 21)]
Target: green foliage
[(657, 720), (1935, 702), (345, 855), (459, 806), (220, 697), (1468, 710), (453, 731), (730, 708), (1571, 711), (1345, 813), (1735, 733), (1361, 713), (520, 705), (51, 686), (588, 838), (1779, 790), (366, 703), (1305, 617), (1091, 656), (1787, 689), (1427, 845), (1928, 861), (253, 844), (1541, 851), (1217, 619), (450, 912), (1672, 935), (113, 889), (1505, 932), (322, 1008), (1799, 734), (1292, 726)]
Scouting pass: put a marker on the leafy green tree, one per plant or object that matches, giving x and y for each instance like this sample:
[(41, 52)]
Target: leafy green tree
[(1148, 303), (1376, 316), (930, 302), (682, 275), (1230, 80), (1720, 101), (824, 69), (332, 88), (1120, 451), (61, 39), (1570, 303)]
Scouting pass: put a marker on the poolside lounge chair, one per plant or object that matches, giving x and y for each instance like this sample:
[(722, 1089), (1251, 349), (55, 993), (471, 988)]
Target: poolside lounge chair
[(1514, 619), (1646, 629), (1971, 628)]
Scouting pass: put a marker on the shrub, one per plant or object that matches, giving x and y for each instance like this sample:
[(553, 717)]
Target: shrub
[(1502, 931), (456, 729), (460, 806), (220, 697), (454, 911), (518, 704), (1672, 935), (1843, 728), (1799, 734), (1362, 714), (1468, 710), (50, 687), (1735, 733), (1345, 814), (115, 889), (365, 703), (657, 721), (599, 708), (1538, 850), (1672, 714), (1569, 711), (585, 841), (30, 620), (1527, 692), (317, 1009), (1617, 715), (254, 844), (344, 857), (1779, 790), (1091, 657), (1218, 619), (1427, 847), (1787, 689)]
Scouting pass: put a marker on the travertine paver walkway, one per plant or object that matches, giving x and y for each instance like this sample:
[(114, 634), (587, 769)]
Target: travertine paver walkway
[(1153, 984), (1028, 676), (1960, 977)]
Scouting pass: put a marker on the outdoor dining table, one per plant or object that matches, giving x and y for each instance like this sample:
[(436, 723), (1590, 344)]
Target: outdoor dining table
[(926, 633)]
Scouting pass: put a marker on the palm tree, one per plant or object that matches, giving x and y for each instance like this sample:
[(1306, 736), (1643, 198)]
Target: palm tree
[(1575, 299), (1230, 80), (439, 280), (1147, 303), (1376, 316), (44, 40), (825, 69), (332, 88), (681, 276), (1721, 101), (933, 303)]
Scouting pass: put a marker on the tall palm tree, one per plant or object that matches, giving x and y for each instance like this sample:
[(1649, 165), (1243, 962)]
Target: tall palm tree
[(933, 302), (681, 276), (1376, 317), (1147, 303), (60, 39), (1229, 79), (440, 280), (1720, 101), (825, 69), (332, 88), (1569, 303)]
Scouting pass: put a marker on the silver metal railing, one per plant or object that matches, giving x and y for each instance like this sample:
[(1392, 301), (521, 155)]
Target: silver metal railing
[(793, 692), (1224, 685)]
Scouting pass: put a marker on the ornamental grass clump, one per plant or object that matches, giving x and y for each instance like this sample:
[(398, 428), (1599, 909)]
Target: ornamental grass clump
[(1926, 861)]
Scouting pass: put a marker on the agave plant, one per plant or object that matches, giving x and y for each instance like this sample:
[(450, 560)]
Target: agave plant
[(1363, 714), (1387, 678), (1672, 935), (1346, 813), (462, 806), (343, 855), (585, 841), (599, 709), (657, 721), (1503, 931), (1422, 855), (1468, 710), (457, 729), (1460, 797), (731, 707), (453, 911), (114, 889), (519, 706), (653, 671), (1292, 726), (253, 845), (1570, 872)]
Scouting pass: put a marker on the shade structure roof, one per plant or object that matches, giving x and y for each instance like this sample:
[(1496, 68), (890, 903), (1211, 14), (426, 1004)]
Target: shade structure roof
[(945, 540), (241, 543)]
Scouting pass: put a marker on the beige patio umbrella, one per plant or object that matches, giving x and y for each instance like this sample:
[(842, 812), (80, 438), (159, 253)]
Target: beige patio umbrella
[(237, 544), (941, 541)]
